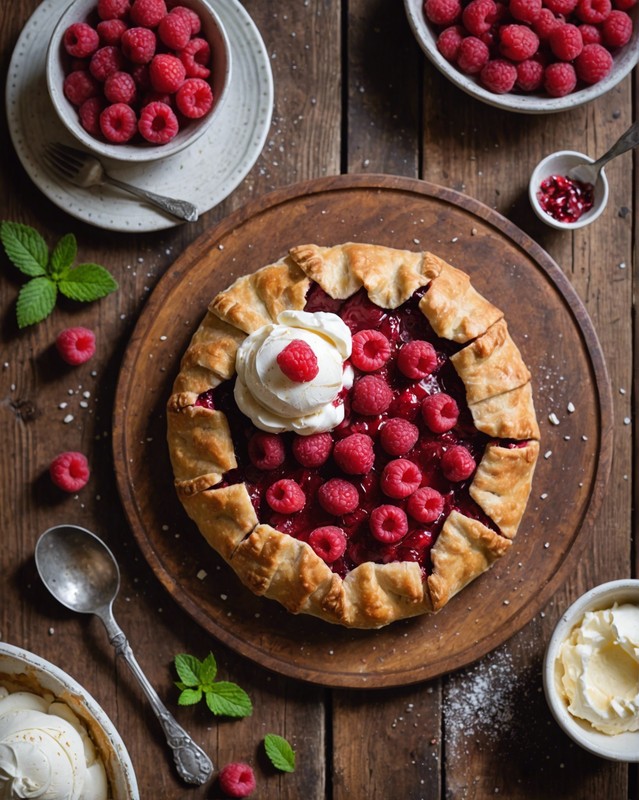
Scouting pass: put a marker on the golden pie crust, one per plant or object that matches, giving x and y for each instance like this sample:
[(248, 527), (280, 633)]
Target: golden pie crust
[(498, 393)]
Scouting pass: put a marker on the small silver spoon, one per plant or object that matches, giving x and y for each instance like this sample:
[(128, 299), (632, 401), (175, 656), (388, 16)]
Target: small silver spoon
[(81, 572), (588, 173)]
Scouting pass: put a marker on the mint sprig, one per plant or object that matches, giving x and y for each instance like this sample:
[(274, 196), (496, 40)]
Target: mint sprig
[(50, 273), (280, 752), (197, 681)]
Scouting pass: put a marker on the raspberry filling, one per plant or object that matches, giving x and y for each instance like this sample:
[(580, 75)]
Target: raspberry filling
[(380, 485), (565, 199)]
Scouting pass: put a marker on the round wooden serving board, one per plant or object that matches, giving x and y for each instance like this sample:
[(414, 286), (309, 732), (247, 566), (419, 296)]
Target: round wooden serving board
[(557, 341)]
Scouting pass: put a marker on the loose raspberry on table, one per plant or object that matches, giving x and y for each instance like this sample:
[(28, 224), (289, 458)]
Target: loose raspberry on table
[(338, 497), (566, 42), (195, 56), (442, 12), (518, 42), (525, 10), (237, 779), (70, 471), (593, 63), (354, 454), (80, 40), (560, 78), (285, 496), (297, 360), (166, 72), (174, 31), (471, 57), (193, 18), (89, 114), (616, 29), (418, 359), (371, 350), (158, 124), (110, 30), (449, 40), (478, 16), (120, 87), (79, 85), (266, 450), (75, 345), (138, 45), (148, 12), (440, 412), (195, 99), (314, 450), (397, 436), (530, 75), (400, 478), (545, 24), (371, 396), (113, 9), (329, 542), (118, 123), (425, 505), (457, 463), (388, 523), (498, 76), (104, 61), (590, 34), (593, 11)]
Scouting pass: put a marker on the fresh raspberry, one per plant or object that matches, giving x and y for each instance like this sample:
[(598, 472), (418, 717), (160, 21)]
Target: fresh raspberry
[(69, 471), (75, 345), (525, 10), (338, 497), (195, 99), (80, 40), (418, 359), (593, 11), (518, 42), (616, 29), (285, 496), (354, 454), (590, 34), (89, 115), (498, 76), (478, 16), (545, 24), (166, 73), (237, 779), (388, 524), (120, 87), (194, 20), (110, 30), (371, 350), (442, 12), (148, 13), (118, 123), (425, 505), (440, 412), (371, 396), (566, 42), (471, 57), (113, 9), (266, 450), (449, 40), (561, 8), (329, 542), (298, 361), (560, 78), (79, 85), (138, 45), (530, 75), (104, 61), (400, 478), (158, 124), (457, 463), (312, 451), (195, 56), (174, 31), (398, 436), (593, 63)]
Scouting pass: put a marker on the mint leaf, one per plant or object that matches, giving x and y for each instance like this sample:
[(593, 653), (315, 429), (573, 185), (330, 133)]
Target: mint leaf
[(188, 669), (226, 698), (64, 254), (208, 669), (36, 301), (280, 752), (87, 282), (26, 249), (188, 697)]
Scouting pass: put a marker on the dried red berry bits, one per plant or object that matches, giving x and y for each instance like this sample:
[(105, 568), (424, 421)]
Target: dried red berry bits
[(565, 199)]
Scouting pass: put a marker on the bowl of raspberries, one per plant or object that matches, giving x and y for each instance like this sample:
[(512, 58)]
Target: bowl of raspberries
[(530, 56), (138, 80)]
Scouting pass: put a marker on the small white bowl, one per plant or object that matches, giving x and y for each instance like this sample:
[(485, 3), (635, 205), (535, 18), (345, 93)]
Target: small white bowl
[(212, 30), (21, 670), (621, 746), (560, 163)]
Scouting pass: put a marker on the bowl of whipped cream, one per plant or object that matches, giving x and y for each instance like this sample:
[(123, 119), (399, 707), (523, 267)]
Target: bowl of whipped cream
[(55, 740), (591, 671)]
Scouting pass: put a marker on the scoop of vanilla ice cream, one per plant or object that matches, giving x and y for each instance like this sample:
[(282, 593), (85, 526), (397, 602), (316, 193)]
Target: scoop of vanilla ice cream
[(600, 661), (273, 401)]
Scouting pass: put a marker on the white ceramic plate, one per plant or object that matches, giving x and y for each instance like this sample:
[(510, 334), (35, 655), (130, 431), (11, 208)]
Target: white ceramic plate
[(205, 173)]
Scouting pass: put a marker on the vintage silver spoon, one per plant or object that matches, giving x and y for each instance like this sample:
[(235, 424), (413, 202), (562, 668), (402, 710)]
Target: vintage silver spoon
[(80, 571), (588, 173)]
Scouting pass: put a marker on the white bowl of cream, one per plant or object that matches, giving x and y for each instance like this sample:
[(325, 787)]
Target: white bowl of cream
[(591, 671)]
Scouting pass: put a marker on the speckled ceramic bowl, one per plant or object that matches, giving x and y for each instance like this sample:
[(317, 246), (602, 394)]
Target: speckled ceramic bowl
[(21, 670), (536, 102), (212, 30), (622, 746)]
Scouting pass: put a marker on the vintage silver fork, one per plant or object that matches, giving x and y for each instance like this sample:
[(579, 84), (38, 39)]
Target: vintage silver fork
[(85, 170)]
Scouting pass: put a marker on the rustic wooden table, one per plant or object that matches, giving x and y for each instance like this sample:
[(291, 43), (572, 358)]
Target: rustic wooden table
[(353, 94)]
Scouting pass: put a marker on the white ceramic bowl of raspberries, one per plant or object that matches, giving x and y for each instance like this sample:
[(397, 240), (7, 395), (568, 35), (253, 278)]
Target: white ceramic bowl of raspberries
[(529, 56), (138, 80)]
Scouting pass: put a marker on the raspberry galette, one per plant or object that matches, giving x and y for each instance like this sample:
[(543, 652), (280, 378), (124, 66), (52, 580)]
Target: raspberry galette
[(353, 431)]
